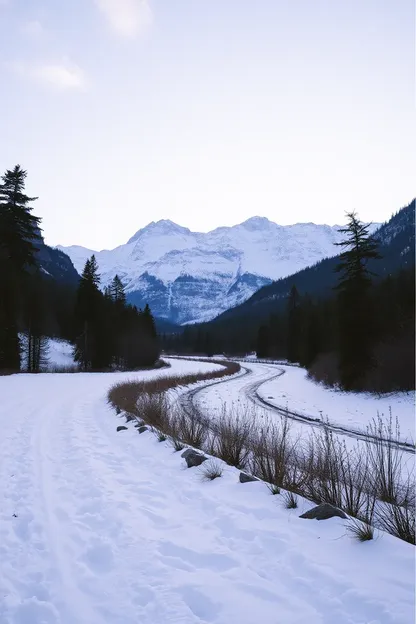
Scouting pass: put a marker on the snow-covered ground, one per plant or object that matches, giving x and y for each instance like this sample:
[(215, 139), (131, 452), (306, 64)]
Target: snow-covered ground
[(355, 410), (60, 353), (100, 527), (294, 391)]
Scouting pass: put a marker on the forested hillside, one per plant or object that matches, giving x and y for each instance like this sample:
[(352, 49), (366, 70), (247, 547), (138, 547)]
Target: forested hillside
[(303, 317)]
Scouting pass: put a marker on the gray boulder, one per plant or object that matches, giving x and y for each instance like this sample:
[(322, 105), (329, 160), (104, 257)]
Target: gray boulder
[(324, 511), (121, 428), (142, 429), (245, 478), (187, 452), (193, 458)]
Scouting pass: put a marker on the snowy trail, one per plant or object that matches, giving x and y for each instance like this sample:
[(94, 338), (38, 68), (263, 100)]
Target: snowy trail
[(287, 383), (100, 527)]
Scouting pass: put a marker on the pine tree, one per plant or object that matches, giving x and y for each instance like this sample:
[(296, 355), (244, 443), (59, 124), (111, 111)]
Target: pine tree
[(293, 325), (87, 311), (117, 296), (19, 230), (263, 342), (356, 336), (310, 338), (149, 322), (117, 291), (35, 344)]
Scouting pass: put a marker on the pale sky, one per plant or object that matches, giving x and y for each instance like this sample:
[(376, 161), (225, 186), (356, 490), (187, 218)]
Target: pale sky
[(207, 112)]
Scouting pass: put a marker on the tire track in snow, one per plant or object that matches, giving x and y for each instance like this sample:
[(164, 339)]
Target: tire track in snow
[(251, 392)]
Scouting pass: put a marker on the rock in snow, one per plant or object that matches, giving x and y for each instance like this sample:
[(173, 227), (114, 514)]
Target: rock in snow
[(324, 511), (193, 458), (245, 478), (122, 428)]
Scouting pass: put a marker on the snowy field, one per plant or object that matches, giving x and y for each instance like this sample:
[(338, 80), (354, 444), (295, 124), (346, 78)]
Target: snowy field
[(354, 410), (294, 391), (100, 527)]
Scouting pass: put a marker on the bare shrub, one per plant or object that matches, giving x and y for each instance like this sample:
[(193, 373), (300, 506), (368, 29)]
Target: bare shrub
[(126, 394), (290, 500), (385, 459), (232, 438), (274, 453), (211, 470), (323, 458), (191, 431), (177, 444), (399, 519), (274, 489), (154, 409), (361, 531)]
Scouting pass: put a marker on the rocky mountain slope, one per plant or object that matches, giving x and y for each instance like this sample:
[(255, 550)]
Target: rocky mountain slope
[(397, 249), (191, 277)]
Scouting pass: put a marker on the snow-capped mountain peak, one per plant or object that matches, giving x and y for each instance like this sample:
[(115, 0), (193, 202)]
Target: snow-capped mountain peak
[(258, 223), (164, 227), (192, 276)]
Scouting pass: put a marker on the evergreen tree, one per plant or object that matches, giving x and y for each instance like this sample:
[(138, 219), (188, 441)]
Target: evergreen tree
[(263, 342), (19, 230), (355, 318), (149, 322), (208, 344), (117, 296), (35, 343), (89, 304), (310, 337), (117, 291), (293, 325)]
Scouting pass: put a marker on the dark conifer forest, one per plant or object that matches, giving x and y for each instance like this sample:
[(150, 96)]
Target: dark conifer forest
[(42, 296)]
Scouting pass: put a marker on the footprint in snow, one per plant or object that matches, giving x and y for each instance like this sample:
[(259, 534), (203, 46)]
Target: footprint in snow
[(99, 558), (201, 605), (214, 561)]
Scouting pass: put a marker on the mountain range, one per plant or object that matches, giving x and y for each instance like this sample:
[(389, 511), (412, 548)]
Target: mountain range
[(188, 277)]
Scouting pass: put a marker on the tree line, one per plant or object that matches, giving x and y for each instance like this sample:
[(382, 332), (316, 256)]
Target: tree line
[(110, 332), (360, 338), (106, 332)]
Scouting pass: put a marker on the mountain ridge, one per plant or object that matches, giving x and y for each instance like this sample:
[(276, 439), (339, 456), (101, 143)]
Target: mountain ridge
[(189, 277)]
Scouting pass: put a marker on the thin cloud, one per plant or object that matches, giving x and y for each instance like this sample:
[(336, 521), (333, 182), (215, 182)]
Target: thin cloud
[(32, 28), (128, 18), (63, 76)]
